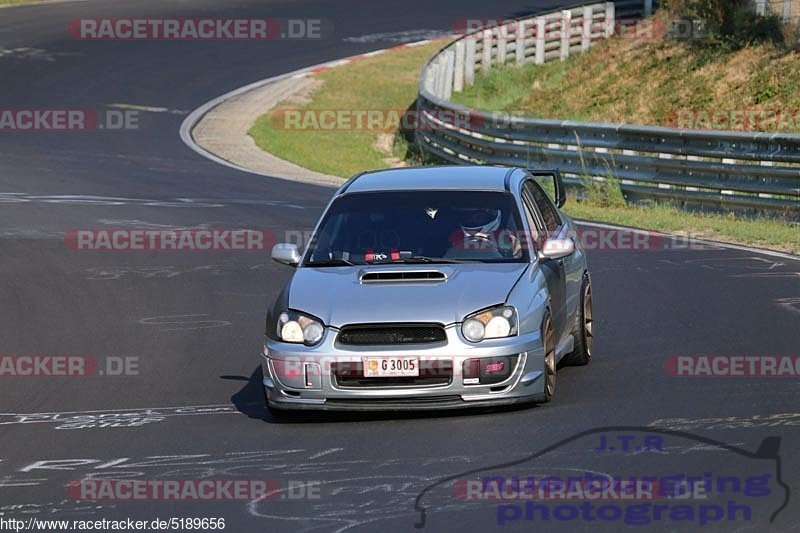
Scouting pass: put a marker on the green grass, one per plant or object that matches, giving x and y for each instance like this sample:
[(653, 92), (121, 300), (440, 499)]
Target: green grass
[(763, 233), (649, 82), (382, 83), (11, 2), (389, 81)]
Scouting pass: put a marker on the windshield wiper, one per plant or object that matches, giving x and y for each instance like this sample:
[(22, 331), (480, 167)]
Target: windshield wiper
[(410, 260), (330, 262), (425, 259)]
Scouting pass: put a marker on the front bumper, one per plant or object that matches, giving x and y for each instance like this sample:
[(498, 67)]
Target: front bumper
[(303, 378)]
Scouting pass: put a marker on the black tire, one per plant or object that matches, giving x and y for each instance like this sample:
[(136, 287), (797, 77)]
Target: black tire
[(583, 331), (549, 359)]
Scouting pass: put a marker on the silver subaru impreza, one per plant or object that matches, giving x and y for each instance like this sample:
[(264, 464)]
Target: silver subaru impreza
[(431, 288)]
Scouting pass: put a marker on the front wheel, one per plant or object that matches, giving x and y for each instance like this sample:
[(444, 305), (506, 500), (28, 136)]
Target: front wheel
[(583, 332)]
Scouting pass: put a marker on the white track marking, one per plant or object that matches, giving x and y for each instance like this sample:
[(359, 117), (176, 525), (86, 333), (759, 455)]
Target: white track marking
[(147, 108), (790, 304), (114, 418), (730, 422), (80, 199), (373, 54), (184, 322), (42, 3), (408, 37), (325, 452)]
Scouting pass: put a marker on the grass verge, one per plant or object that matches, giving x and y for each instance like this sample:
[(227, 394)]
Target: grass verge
[(657, 81), (389, 81), (386, 83), (762, 233)]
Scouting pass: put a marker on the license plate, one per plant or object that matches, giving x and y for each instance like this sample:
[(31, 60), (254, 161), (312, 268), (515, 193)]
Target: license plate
[(390, 367)]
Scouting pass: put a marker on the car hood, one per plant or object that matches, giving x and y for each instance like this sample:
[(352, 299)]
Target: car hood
[(337, 296)]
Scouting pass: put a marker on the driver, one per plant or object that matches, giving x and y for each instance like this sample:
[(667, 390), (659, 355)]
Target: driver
[(480, 225), (481, 230)]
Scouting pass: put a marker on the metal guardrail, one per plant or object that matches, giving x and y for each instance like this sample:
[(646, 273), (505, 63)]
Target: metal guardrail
[(789, 10), (753, 171)]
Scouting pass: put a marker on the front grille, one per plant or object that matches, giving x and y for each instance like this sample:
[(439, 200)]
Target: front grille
[(433, 373), (388, 334)]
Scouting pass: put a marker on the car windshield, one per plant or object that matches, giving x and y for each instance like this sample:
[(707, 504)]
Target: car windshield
[(419, 227)]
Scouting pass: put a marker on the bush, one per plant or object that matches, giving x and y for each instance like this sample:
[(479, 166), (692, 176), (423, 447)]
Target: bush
[(791, 36), (730, 22), (602, 193)]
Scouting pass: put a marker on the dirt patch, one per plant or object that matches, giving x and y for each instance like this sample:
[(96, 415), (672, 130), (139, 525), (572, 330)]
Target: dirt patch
[(303, 96), (385, 145)]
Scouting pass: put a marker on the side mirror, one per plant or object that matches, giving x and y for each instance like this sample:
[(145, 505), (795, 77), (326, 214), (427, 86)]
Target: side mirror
[(555, 248), (286, 254)]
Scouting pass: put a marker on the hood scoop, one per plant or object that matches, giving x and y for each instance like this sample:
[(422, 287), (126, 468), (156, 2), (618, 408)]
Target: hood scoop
[(395, 276)]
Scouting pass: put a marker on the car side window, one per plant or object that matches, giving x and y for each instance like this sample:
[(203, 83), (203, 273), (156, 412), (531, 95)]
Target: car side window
[(538, 231), (552, 220), (531, 215)]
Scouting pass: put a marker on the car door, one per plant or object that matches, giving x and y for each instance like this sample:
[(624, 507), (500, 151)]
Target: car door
[(549, 224)]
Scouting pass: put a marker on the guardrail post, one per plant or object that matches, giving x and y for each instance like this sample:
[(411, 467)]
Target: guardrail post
[(486, 62), (541, 28), (566, 33), (469, 61), (610, 14), (458, 73), (449, 65), (434, 76), (586, 28), (441, 77), (648, 8), (502, 43), (519, 49), (430, 78)]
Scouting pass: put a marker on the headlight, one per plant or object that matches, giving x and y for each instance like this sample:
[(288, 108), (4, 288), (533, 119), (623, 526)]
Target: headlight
[(299, 328), (493, 323)]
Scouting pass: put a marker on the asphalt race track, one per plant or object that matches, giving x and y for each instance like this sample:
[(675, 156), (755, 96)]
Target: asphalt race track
[(195, 320)]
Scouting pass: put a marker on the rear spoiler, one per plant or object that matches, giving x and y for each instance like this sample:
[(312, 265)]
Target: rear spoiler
[(558, 184)]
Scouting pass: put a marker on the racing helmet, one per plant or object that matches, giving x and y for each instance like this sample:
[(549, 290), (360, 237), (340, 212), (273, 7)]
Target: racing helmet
[(480, 222)]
